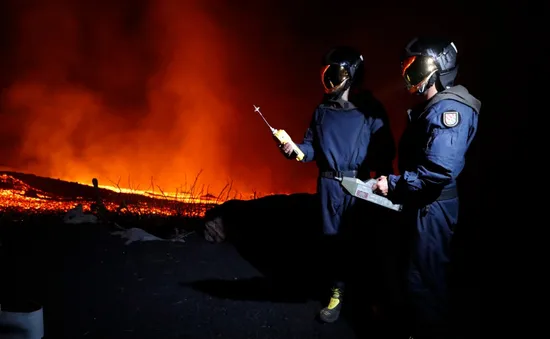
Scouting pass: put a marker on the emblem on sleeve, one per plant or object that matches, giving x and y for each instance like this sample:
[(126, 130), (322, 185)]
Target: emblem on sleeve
[(451, 119)]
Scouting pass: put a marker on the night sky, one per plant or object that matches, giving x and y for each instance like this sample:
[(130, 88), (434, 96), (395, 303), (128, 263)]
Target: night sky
[(165, 88)]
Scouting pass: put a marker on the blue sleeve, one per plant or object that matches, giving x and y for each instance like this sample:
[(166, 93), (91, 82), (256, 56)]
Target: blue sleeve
[(443, 155), (309, 140)]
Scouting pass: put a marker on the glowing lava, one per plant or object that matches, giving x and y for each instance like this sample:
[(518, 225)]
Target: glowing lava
[(16, 195)]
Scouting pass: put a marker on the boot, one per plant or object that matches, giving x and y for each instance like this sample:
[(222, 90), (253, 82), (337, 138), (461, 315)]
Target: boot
[(331, 313)]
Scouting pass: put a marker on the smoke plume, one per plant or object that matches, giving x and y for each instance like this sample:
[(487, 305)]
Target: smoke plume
[(133, 90)]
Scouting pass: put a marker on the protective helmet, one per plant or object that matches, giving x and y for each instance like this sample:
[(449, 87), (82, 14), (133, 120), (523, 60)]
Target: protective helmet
[(429, 61), (342, 66)]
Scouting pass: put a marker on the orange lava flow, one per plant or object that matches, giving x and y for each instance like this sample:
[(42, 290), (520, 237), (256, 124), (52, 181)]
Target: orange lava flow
[(20, 197)]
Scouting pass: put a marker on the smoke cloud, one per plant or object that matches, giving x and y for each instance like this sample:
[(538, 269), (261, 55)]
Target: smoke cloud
[(164, 89)]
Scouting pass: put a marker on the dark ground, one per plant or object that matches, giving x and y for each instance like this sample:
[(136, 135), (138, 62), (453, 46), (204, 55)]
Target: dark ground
[(263, 282), (256, 285), (93, 286)]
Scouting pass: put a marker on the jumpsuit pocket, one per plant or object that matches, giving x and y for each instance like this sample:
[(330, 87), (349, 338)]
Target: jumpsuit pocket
[(334, 203), (334, 207)]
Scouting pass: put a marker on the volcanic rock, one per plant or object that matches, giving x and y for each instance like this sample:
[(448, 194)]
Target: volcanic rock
[(276, 213)]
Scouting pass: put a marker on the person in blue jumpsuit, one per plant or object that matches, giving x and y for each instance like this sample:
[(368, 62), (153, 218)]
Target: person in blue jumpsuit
[(431, 155), (348, 124)]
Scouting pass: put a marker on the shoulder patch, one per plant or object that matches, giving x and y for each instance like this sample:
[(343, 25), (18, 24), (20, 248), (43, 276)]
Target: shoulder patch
[(451, 118)]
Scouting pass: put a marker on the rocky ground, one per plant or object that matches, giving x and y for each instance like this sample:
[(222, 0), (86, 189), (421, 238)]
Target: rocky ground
[(92, 285), (260, 279)]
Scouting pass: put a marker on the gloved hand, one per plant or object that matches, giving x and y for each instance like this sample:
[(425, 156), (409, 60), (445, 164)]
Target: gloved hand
[(381, 186), (286, 149)]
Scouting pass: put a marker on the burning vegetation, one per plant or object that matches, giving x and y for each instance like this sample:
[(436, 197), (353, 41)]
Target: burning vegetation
[(24, 193)]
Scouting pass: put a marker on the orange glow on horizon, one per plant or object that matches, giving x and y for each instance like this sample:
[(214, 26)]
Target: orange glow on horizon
[(93, 98)]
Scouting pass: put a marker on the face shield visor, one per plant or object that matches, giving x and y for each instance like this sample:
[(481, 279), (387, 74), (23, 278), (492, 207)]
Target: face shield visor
[(334, 78), (416, 71)]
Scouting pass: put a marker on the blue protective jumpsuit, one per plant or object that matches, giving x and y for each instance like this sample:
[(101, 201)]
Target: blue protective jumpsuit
[(431, 156), (338, 139)]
